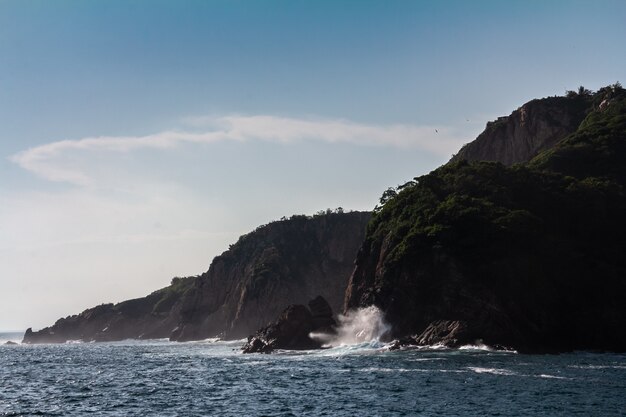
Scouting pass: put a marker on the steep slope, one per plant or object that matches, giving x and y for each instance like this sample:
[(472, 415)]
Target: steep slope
[(536, 126), (529, 257), (281, 263)]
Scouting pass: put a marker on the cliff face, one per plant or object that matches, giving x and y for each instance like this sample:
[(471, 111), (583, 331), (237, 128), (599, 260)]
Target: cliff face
[(534, 127), (529, 256), (282, 263), (289, 262)]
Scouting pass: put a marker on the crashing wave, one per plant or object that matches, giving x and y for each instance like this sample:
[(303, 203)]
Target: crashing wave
[(364, 327)]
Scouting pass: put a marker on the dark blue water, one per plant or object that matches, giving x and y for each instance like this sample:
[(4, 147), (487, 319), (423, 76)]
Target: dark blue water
[(160, 378)]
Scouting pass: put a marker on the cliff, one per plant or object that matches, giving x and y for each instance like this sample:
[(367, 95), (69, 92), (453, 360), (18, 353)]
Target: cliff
[(536, 126), (528, 256), (282, 263)]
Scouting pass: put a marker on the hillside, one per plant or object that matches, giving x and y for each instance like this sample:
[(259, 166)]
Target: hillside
[(528, 256), (281, 263)]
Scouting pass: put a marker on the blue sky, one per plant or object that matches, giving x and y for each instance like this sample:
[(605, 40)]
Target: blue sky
[(139, 138)]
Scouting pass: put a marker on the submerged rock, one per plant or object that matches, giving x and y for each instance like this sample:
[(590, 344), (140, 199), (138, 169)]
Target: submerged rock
[(292, 328)]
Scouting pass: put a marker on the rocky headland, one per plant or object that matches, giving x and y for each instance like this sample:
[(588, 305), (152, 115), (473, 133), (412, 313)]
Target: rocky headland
[(528, 256), (285, 262), (516, 243)]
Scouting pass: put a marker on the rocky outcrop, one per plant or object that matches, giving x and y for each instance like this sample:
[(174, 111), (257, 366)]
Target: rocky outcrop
[(528, 257), (292, 328), (536, 126), (453, 334), (150, 317), (282, 263)]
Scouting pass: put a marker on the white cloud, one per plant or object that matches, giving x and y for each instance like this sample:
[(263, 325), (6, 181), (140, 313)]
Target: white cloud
[(47, 161)]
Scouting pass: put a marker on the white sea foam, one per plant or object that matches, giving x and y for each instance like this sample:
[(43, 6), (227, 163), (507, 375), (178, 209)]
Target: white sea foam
[(13, 337), (365, 326), (551, 376), (477, 346), (494, 371)]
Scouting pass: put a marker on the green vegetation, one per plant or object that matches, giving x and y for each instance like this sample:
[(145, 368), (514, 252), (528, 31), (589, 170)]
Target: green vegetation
[(467, 206), (531, 241)]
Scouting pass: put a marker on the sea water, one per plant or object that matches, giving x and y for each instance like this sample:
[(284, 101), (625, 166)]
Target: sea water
[(212, 378)]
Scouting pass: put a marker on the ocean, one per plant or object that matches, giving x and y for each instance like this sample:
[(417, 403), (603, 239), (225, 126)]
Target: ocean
[(212, 378)]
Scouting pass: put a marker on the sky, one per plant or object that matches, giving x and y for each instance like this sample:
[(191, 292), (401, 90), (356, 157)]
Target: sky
[(138, 139)]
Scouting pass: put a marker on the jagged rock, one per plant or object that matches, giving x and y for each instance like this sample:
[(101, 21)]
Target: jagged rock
[(10, 343), (534, 127), (292, 328)]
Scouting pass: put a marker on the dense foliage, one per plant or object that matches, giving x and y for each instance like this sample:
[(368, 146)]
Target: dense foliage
[(540, 243)]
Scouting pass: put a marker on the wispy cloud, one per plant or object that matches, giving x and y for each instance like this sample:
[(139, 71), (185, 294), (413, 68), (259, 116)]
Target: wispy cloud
[(46, 160)]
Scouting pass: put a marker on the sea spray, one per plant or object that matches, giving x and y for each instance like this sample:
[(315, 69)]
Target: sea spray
[(357, 326)]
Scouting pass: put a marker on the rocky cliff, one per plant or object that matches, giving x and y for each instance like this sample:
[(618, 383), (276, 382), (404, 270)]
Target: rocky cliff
[(289, 262), (282, 263), (536, 126), (528, 256)]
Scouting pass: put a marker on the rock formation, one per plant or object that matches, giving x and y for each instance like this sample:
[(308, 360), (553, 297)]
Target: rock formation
[(150, 317), (517, 242), (292, 328), (282, 263), (534, 127), (528, 257)]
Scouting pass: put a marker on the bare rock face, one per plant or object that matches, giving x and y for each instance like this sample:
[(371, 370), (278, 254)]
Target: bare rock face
[(292, 328), (282, 263), (534, 127)]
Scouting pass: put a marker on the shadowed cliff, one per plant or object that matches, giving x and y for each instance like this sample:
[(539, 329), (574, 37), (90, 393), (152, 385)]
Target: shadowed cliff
[(528, 256), (283, 263)]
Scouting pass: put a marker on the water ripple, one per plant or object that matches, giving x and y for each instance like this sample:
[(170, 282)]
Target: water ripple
[(210, 378)]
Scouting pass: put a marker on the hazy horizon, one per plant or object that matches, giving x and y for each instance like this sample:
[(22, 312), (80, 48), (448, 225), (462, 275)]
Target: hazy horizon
[(140, 139)]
